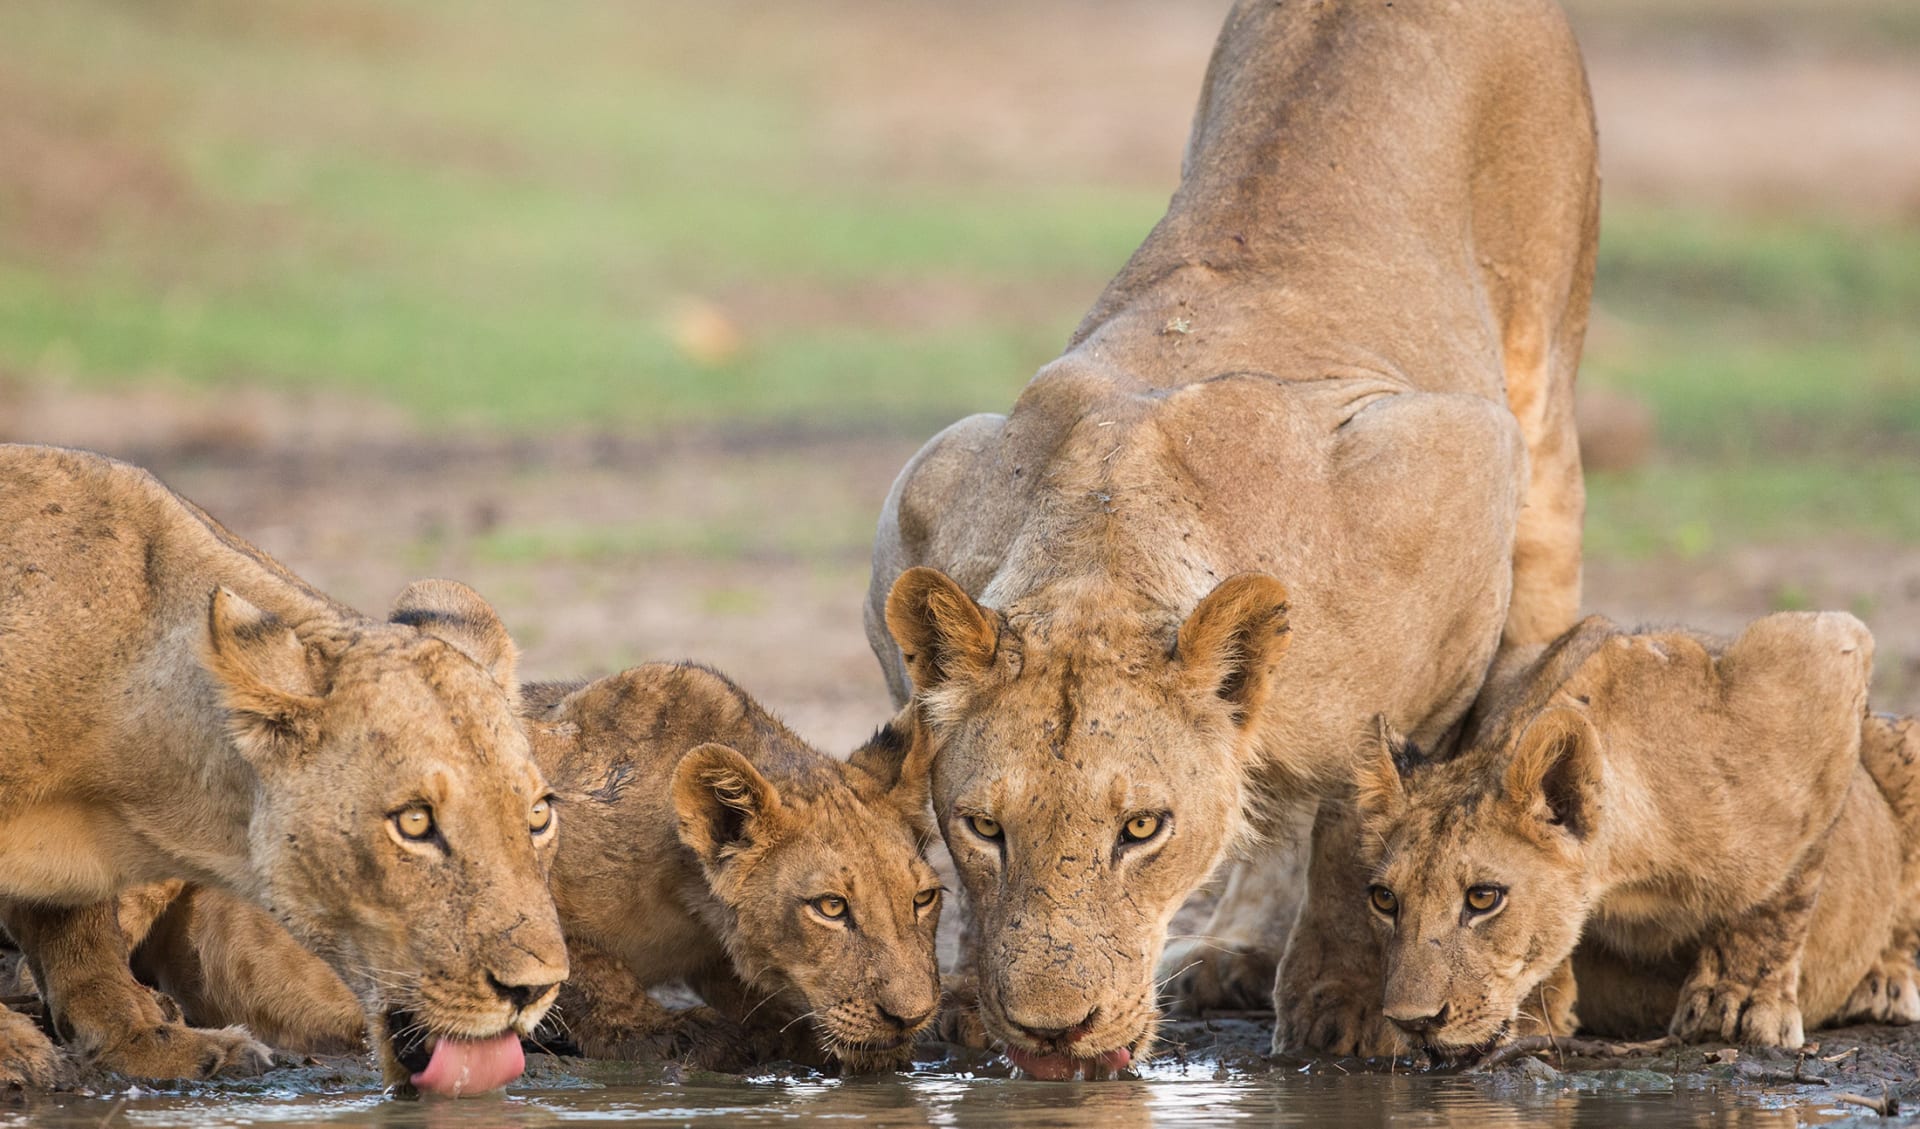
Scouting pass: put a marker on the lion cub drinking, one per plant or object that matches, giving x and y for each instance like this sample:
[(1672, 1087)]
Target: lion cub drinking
[(704, 842), (176, 705), (1720, 828)]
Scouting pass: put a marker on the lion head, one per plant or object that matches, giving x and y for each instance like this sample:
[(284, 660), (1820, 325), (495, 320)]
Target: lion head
[(1480, 876), (401, 829), (1088, 774), (829, 906)]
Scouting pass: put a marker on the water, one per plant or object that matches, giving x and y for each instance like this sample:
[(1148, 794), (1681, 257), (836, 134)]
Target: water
[(1193, 1095)]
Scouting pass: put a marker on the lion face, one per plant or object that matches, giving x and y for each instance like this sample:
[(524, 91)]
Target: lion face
[(1087, 780), (833, 910), (1480, 879), (404, 832)]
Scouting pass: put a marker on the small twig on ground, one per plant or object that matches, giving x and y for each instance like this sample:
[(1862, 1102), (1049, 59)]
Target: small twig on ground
[(1580, 1048), (1886, 1105)]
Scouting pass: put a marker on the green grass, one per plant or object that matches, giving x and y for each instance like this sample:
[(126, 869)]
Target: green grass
[(487, 215)]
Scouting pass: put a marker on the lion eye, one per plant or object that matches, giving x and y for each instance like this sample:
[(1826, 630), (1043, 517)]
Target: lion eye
[(830, 906), (1140, 828), (926, 898), (1485, 899), (1383, 901), (415, 822), (984, 826), (540, 817)]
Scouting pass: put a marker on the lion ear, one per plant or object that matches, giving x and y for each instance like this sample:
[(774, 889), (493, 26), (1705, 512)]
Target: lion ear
[(270, 689), (723, 803), (457, 615), (942, 633), (899, 759), (1385, 756), (1554, 773), (1229, 644)]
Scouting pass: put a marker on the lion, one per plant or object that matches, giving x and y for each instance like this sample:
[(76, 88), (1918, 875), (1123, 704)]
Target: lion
[(1651, 830), (1325, 410), (174, 704), (705, 842)]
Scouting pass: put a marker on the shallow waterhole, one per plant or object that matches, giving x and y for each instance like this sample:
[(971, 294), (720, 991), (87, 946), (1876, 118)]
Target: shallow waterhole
[(570, 1092)]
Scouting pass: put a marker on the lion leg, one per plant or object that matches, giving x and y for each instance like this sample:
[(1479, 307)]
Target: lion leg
[(1327, 998), (1549, 1007), (225, 961), (1232, 962), (27, 1057), (607, 1013), (1890, 752), (110, 1020), (1745, 982)]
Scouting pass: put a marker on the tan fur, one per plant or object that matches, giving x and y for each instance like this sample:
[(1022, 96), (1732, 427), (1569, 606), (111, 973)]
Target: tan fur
[(1343, 359), (698, 828), (1695, 816), (176, 705)]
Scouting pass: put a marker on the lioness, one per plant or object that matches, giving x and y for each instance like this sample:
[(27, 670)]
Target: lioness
[(704, 842), (1719, 826), (1343, 360), (175, 704)]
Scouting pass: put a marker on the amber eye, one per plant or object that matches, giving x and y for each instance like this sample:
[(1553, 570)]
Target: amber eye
[(984, 826), (540, 816), (415, 822), (1140, 828), (926, 898), (1383, 901), (1485, 899), (830, 906)]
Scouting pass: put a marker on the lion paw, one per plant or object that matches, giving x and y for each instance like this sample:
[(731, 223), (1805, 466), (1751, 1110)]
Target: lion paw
[(172, 1050), (1323, 1024), (28, 1059), (1199, 976), (1737, 1013), (700, 1037), (1888, 993)]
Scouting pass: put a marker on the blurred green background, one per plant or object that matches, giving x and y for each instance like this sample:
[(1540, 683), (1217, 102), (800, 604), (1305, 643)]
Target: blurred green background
[(473, 221)]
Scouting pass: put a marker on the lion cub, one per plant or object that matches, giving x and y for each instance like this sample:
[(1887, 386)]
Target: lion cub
[(1720, 828), (704, 842)]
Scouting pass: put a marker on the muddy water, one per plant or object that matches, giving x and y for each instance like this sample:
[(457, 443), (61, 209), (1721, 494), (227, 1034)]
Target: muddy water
[(1200, 1094)]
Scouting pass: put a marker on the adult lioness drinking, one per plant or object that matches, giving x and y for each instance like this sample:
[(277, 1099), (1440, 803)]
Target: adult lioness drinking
[(175, 704), (1343, 360)]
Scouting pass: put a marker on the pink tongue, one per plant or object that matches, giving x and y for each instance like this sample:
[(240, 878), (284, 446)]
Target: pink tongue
[(471, 1066), (1061, 1068)]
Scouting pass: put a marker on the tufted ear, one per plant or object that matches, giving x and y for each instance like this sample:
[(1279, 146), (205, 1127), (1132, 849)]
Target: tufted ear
[(454, 613), (899, 758), (1379, 778), (265, 676), (723, 803), (1229, 644), (941, 632), (1555, 770)]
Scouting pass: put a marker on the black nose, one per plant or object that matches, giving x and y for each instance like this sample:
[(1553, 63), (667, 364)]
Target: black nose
[(905, 1022), (1422, 1024), (519, 995)]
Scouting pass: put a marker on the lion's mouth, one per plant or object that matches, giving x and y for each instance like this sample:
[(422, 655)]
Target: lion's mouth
[(1452, 1051), (1066, 1067), (449, 1066)]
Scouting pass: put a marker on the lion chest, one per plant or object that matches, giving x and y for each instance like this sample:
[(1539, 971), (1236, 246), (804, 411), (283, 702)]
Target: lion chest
[(64, 852)]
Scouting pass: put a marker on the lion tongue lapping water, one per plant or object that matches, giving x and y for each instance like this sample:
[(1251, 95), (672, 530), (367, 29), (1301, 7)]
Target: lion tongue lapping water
[(471, 1066), (1064, 1068)]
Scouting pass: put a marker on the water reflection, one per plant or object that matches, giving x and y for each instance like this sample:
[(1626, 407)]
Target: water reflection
[(943, 1099)]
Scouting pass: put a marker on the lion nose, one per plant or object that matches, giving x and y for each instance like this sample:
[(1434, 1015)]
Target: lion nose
[(1042, 1034), (1418, 1020), (521, 996), (906, 1022)]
